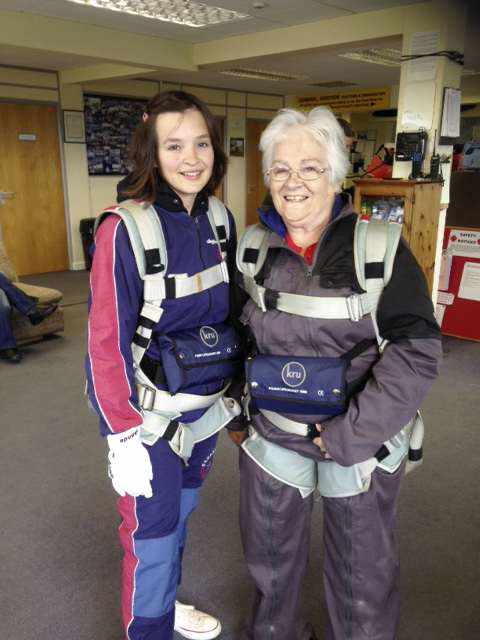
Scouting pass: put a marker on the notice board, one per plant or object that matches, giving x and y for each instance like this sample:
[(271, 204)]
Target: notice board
[(458, 304)]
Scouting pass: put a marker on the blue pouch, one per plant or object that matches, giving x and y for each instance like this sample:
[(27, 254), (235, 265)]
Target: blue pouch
[(286, 384), (199, 356)]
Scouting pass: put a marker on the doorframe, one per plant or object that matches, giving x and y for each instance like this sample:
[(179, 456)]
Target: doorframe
[(258, 121)]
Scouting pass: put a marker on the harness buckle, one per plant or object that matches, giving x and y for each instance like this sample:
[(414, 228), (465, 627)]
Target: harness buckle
[(146, 398), (354, 307), (261, 298)]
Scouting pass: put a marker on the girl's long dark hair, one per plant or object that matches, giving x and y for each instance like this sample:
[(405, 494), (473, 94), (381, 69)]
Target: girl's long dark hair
[(142, 181)]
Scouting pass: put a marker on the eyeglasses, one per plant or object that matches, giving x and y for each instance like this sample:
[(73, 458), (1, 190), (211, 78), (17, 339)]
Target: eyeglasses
[(282, 173)]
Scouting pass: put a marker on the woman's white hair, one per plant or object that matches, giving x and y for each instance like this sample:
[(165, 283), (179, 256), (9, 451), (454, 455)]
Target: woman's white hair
[(322, 125)]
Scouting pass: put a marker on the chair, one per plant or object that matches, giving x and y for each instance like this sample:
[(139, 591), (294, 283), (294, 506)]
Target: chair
[(23, 330)]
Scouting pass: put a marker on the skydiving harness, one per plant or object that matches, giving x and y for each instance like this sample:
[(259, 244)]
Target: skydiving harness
[(161, 408), (375, 246)]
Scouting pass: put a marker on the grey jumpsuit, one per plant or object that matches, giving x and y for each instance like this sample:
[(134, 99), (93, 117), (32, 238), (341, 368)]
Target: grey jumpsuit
[(360, 571)]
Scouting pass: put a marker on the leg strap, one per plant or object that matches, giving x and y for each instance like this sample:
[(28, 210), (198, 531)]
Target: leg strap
[(182, 437)]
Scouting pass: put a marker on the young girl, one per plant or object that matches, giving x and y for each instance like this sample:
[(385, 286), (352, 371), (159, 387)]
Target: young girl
[(161, 351)]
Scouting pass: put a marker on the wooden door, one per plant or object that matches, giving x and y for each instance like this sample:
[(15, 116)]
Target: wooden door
[(33, 220), (256, 189)]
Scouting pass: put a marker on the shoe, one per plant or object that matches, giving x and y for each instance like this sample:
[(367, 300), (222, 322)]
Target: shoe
[(194, 624), (13, 355), (39, 315)]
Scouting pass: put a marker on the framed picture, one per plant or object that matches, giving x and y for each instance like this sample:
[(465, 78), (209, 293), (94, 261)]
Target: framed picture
[(237, 147), (109, 123), (73, 126)]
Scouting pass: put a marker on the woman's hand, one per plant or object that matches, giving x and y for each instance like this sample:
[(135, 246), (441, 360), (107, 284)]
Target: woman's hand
[(237, 437), (319, 442)]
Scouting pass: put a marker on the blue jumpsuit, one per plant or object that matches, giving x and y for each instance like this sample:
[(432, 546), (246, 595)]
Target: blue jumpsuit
[(153, 530)]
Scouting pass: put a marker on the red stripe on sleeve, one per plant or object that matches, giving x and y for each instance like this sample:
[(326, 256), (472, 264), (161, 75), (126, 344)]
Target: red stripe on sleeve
[(109, 366)]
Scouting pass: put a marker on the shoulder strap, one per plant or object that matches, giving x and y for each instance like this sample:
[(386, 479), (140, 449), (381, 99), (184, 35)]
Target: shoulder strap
[(145, 233), (149, 248), (375, 247), (252, 250), (218, 218)]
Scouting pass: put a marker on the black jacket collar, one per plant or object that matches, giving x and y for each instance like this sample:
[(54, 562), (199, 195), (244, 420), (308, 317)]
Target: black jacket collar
[(167, 199)]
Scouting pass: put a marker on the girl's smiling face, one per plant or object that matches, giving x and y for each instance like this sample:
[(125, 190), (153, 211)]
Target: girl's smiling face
[(185, 153)]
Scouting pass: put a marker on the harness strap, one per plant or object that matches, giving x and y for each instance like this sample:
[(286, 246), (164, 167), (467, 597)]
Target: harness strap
[(151, 235), (359, 348), (353, 307), (375, 247), (220, 224), (181, 286), (151, 399), (304, 429), (148, 243), (181, 436)]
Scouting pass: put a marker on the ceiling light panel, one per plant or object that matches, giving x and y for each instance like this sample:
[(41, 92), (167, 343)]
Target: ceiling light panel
[(262, 74), (384, 57), (184, 12), (332, 84)]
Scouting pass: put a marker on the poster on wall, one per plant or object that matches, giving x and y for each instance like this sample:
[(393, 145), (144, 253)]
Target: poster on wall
[(359, 100), (109, 124)]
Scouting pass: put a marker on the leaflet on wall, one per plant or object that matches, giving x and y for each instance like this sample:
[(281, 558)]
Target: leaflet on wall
[(423, 43), (450, 125), (445, 298), (464, 243), (470, 282), (439, 313)]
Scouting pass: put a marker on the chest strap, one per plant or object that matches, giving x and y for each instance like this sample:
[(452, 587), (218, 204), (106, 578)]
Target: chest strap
[(352, 307)]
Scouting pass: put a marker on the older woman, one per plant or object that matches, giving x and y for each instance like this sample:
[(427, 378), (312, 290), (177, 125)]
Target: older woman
[(344, 349)]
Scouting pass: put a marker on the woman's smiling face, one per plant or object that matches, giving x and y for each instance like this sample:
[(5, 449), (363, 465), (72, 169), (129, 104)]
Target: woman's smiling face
[(185, 153), (301, 203)]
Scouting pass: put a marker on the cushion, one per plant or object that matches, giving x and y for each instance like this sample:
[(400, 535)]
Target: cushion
[(44, 294)]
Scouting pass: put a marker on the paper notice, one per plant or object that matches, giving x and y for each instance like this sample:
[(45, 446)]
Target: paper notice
[(420, 98), (445, 269), (423, 43), (470, 282), (445, 298), (451, 113), (439, 313)]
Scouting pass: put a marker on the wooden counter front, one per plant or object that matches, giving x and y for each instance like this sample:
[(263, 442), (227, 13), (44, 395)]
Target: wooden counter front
[(421, 214)]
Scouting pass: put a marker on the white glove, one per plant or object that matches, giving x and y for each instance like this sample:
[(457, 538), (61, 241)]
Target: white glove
[(130, 468)]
